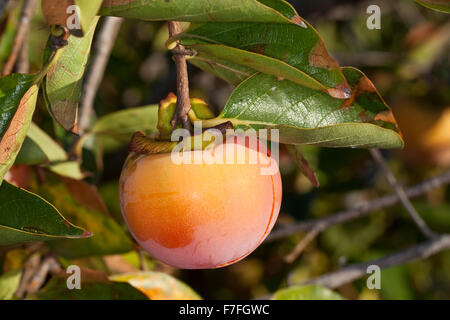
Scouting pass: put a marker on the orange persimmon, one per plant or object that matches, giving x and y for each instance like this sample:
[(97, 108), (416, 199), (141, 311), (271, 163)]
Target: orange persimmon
[(202, 215)]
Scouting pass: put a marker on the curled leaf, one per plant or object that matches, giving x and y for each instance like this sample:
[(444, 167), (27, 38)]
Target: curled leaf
[(303, 164), (18, 94), (306, 116), (63, 82)]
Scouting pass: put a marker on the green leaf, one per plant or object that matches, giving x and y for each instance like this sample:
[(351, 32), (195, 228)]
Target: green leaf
[(310, 292), (287, 51), (92, 288), (70, 169), (25, 217), (88, 10), (396, 284), (18, 95), (40, 148), (158, 285), (230, 72), (82, 204), (167, 108), (52, 150), (306, 116), (9, 282), (199, 10), (282, 7), (30, 153), (438, 5), (122, 124), (115, 129), (63, 83)]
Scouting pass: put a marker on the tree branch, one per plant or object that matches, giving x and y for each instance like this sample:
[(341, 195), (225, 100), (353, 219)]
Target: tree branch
[(21, 35), (360, 210), (23, 64), (102, 50), (49, 265), (356, 271), (376, 154), (306, 240), (183, 100)]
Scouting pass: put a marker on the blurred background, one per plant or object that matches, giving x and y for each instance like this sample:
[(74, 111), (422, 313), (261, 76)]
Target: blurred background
[(407, 60)]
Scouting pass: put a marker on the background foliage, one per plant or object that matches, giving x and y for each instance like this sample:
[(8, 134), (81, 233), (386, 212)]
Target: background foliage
[(408, 62)]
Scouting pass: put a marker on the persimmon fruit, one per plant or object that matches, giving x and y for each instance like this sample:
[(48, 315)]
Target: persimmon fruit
[(201, 215)]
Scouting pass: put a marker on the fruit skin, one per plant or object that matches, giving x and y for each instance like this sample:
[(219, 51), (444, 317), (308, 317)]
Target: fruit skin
[(200, 216)]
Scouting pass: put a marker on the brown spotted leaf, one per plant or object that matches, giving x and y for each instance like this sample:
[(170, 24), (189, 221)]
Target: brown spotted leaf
[(292, 51), (18, 95), (63, 83), (306, 116)]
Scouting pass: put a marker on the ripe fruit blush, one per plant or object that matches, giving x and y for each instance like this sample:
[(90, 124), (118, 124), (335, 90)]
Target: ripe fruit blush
[(198, 215)]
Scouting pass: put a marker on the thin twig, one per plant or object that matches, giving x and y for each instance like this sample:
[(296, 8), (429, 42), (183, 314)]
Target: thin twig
[(23, 64), (361, 210), (185, 51), (21, 35), (102, 50), (142, 263), (376, 154), (183, 100), (48, 266), (356, 271), (306, 240), (30, 268)]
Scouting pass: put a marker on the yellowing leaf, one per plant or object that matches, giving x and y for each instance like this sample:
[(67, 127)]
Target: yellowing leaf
[(158, 285)]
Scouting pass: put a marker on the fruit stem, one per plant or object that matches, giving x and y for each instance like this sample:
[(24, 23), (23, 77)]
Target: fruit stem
[(183, 100)]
